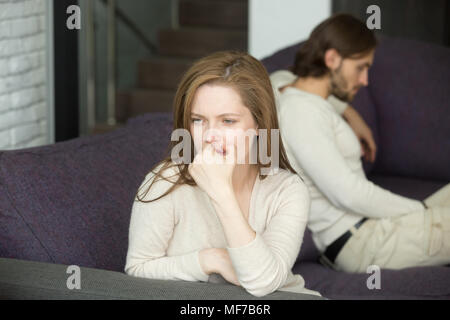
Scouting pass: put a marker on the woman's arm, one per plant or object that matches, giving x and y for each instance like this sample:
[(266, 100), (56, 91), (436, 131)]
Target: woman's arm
[(262, 262), (151, 228), (307, 130), (237, 230)]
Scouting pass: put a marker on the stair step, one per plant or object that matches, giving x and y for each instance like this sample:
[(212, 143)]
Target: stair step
[(143, 101), (207, 26), (162, 72), (213, 13), (198, 42)]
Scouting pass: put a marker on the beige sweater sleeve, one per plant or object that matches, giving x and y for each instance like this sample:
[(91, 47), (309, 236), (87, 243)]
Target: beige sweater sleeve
[(151, 228), (263, 265)]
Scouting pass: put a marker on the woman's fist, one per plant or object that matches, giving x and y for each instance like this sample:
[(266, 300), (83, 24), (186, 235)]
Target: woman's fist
[(213, 171)]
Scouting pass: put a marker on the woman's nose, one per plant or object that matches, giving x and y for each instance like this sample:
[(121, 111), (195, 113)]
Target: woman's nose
[(212, 135)]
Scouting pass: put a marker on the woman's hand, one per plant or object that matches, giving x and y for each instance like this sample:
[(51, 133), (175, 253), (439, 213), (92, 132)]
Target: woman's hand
[(217, 260), (213, 172)]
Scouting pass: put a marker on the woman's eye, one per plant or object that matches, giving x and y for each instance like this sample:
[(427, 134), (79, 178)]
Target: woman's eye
[(229, 121), (195, 120)]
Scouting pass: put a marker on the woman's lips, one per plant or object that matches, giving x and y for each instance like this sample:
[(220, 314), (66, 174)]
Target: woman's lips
[(220, 150)]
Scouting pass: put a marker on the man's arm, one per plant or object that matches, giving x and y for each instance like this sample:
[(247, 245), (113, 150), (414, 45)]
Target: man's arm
[(358, 125), (363, 133), (308, 133)]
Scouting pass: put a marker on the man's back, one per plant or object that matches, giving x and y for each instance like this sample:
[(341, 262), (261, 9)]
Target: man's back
[(322, 147)]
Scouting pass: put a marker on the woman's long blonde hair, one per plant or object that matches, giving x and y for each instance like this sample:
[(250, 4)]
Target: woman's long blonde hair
[(239, 71)]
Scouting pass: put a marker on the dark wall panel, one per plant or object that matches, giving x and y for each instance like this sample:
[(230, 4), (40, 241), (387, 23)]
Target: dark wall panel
[(66, 73), (414, 19)]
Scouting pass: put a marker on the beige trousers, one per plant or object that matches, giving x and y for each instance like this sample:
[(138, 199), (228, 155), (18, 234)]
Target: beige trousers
[(415, 239)]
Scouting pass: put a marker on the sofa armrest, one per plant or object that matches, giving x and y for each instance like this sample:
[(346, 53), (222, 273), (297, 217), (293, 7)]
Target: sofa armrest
[(20, 279)]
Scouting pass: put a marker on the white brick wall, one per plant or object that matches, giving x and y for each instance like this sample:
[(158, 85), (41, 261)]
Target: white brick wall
[(23, 103)]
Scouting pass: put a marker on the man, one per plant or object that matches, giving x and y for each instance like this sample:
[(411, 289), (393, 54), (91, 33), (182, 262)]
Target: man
[(354, 222)]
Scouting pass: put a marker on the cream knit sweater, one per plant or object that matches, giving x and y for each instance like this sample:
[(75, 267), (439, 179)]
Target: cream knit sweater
[(166, 235)]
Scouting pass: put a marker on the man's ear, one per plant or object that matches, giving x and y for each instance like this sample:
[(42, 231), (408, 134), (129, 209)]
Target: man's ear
[(332, 59)]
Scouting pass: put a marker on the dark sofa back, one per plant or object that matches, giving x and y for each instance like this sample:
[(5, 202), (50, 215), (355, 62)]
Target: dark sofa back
[(70, 203), (410, 87)]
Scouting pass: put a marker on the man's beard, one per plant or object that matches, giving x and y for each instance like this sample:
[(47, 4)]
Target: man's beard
[(338, 86)]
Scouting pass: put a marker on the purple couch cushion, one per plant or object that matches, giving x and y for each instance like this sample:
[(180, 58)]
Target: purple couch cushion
[(410, 283), (408, 187), (282, 59), (70, 203), (409, 84), (308, 250), (16, 236)]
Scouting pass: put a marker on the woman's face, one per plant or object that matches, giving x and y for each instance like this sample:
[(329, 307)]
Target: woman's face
[(219, 118)]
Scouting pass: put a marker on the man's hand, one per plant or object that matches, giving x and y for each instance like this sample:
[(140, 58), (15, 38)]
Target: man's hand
[(363, 133)]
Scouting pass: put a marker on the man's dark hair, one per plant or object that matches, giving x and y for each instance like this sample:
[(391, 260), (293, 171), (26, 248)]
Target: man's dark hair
[(346, 34)]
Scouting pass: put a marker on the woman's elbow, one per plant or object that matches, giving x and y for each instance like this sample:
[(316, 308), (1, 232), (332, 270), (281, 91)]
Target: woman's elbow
[(260, 292), (266, 286), (129, 271), (132, 269)]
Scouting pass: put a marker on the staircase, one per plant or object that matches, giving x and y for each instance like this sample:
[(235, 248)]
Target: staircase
[(205, 26)]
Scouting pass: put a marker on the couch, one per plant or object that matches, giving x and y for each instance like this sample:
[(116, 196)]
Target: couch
[(69, 203)]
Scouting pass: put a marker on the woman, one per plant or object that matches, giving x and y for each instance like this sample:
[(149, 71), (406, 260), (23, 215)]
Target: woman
[(204, 216)]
